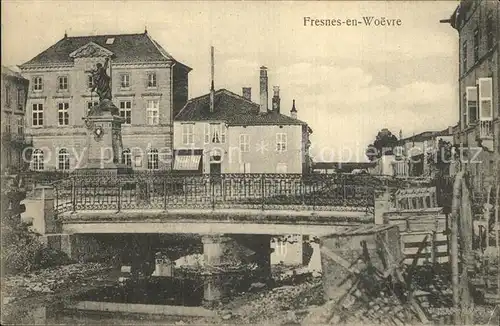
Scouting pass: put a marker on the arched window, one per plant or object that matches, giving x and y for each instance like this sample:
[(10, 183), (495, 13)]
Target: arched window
[(153, 159), (127, 157), (38, 160), (63, 159)]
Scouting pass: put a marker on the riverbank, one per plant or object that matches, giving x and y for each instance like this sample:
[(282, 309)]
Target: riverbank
[(51, 286), (24, 295)]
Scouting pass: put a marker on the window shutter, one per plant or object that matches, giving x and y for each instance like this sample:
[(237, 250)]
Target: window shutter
[(465, 118), (222, 133), (485, 99), (471, 104), (207, 133)]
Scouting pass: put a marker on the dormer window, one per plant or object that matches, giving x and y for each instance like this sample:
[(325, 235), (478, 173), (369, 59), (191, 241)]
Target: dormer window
[(110, 40)]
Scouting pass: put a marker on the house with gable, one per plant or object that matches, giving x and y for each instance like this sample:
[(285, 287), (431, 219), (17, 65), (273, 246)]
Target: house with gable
[(223, 132)]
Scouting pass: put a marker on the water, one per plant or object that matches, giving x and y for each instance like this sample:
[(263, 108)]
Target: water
[(154, 300)]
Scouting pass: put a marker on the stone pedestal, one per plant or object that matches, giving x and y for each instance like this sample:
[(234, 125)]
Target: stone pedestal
[(40, 210), (164, 267), (104, 139), (289, 252), (217, 250)]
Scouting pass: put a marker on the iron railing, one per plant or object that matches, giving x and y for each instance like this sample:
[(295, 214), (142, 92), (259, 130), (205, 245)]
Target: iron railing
[(249, 191)]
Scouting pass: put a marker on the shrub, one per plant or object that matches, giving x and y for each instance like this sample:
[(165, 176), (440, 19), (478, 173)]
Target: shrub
[(23, 252)]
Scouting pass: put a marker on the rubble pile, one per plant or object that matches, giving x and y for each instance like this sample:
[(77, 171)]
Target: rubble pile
[(275, 306), (47, 280)]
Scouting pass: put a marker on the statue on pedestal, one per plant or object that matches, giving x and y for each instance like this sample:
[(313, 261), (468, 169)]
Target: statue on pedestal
[(101, 84), (101, 81)]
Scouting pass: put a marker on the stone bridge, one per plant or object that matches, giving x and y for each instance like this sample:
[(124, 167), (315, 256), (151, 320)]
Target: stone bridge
[(81, 209)]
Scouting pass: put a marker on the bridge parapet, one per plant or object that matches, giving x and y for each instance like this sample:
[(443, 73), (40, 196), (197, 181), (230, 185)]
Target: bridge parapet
[(244, 191)]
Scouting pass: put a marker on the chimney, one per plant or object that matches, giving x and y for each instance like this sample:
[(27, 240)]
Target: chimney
[(276, 99), (263, 90), (247, 93), (212, 89), (293, 111)]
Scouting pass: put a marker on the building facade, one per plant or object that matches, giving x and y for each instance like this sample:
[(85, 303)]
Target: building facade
[(416, 154), (478, 132), (15, 146), (232, 134), (148, 86)]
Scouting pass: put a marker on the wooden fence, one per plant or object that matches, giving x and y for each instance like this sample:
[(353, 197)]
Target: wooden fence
[(416, 213)]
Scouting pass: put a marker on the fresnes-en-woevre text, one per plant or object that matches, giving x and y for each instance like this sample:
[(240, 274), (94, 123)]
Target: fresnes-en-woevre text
[(363, 21)]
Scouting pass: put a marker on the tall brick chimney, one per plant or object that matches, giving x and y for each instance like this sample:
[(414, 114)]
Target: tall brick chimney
[(276, 99), (247, 93), (293, 111), (263, 90)]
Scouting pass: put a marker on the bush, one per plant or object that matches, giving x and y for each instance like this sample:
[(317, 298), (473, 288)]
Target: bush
[(48, 257), (23, 252)]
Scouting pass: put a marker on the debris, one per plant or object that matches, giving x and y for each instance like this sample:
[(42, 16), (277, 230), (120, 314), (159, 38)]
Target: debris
[(257, 285)]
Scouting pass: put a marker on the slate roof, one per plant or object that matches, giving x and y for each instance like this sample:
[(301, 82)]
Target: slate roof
[(233, 109), (126, 48)]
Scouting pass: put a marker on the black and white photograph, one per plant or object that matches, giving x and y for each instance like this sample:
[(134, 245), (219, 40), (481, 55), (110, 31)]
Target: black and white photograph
[(250, 162)]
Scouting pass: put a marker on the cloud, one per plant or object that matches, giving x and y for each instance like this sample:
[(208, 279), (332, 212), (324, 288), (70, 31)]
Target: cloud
[(344, 105), (348, 82)]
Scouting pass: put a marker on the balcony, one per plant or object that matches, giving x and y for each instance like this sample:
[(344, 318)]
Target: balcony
[(485, 129), (401, 168), (484, 134)]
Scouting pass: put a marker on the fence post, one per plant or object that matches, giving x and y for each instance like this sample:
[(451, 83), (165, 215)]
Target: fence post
[(73, 194), (119, 199), (212, 182), (302, 190), (344, 190), (165, 194), (262, 190), (223, 189), (184, 189), (56, 199)]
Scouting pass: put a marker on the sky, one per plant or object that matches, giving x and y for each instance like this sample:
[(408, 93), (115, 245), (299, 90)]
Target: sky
[(348, 81)]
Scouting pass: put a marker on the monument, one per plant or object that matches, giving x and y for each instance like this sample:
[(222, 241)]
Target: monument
[(103, 123)]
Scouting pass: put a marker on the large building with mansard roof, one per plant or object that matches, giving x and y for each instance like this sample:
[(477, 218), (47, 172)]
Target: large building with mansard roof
[(148, 85)]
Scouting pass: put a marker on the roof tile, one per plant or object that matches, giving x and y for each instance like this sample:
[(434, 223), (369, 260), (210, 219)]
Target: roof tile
[(233, 109)]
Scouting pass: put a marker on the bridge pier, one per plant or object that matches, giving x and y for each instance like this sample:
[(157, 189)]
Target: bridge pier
[(213, 289), (79, 247), (288, 250), (219, 250), (224, 250)]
